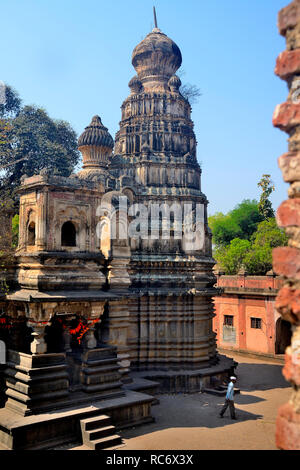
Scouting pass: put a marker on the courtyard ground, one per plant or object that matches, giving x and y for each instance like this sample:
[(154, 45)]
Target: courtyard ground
[(191, 422)]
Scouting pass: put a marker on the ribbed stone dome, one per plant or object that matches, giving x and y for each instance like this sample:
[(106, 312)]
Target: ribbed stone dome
[(157, 54), (135, 84), (96, 134), (174, 82)]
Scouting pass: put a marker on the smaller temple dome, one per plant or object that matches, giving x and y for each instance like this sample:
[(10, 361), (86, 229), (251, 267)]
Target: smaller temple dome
[(96, 134), (96, 145), (135, 84), (174, 83)]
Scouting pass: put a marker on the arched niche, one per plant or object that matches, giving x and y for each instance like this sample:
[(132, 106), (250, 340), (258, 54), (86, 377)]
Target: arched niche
[(68, 234), (31, 233)]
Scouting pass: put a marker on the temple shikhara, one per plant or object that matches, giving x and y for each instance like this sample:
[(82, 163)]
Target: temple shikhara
[(97, 319)]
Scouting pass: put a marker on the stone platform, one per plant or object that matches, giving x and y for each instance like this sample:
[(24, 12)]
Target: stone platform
[(47, 430), (189, 381)]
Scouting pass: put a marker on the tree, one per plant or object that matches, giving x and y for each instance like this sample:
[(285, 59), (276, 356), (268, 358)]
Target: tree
[(35, 141), (265, 205), (267, 237), (255, 254), (231, 258), (241, 222), (224, 229), (246, 215), (268, 233), (190, 92), (12, 103)]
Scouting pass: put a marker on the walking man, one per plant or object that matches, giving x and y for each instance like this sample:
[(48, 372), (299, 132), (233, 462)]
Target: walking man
[(229, 399)]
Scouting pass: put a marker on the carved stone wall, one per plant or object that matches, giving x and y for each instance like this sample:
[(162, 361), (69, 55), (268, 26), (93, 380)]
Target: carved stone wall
[(286, 261)]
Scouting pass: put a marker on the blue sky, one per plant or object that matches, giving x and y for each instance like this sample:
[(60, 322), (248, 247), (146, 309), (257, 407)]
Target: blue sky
[(73, 58)]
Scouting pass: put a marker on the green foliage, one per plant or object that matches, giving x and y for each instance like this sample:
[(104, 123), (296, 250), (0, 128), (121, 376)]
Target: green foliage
[(30, 141), (231, 258), (224, 229), (247, 235), (246, 215), (265, 205), (15, 230), (241, 222), (12, 104), (254, 255), (268, 233)]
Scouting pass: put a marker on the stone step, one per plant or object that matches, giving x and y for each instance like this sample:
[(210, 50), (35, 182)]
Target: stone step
[(106, 442), (99, 433), (100, 362), (213, 391), (100, 369), (102, 387), (95, 422)]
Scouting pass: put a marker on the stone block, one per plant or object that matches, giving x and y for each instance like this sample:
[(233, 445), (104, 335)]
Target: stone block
[(288, 213), (288, 63), (288, 17), (288, 304), (286, 262), (289, 164), (286, 116), (291, 370), (288, 428)]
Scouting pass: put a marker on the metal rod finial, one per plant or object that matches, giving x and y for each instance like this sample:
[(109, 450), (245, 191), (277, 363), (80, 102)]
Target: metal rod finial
[(155, 19)]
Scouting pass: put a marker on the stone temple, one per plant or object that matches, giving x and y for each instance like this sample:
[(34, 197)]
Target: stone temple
[(111, 292)]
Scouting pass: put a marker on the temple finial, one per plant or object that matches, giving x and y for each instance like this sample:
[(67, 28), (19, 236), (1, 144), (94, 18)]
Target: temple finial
[(155, 19)]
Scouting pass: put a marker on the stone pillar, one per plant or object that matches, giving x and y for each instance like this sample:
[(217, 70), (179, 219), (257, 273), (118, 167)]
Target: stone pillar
[(118, 276), (90, 339), (38, 345), (41, 241), (286, 260), (117, 334)]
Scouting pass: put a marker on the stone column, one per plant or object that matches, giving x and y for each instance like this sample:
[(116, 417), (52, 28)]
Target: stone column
[(41, 241), (286, 260), (90, 339), (117, 334), (38, 345), (67, 340), (118, 276)]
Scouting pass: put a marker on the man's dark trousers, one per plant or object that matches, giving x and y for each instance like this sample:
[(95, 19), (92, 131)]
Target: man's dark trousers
[(229, 403)]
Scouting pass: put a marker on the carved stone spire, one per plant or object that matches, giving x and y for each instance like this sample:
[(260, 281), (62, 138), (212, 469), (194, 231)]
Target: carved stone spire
[(96, 145), (155, 60)]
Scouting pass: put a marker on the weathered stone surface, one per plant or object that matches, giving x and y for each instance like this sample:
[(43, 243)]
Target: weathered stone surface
[(289, 17), (289, 164), (288, 304), (288, 428), (291, 370), (286, 116), (286, 262), (288, 213), (288, 63)]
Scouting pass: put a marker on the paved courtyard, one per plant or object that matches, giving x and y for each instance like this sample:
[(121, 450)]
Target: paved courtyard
[(191, 422)]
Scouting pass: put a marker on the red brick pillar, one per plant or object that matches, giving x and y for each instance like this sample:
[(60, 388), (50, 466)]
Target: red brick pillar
[(286, 261)]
